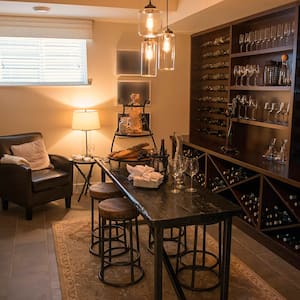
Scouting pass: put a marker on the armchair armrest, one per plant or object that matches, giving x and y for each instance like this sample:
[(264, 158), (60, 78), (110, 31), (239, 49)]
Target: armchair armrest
[(61, 162), (15, 180)]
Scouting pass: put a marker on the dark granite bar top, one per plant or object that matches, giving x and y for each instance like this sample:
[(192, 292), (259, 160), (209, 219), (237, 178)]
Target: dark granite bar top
[(161, 206)]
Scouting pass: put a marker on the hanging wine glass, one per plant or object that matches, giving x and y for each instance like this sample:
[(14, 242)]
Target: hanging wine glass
[(192, 168)]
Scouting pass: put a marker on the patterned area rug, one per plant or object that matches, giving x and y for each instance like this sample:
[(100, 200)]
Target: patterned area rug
[(78, 270)]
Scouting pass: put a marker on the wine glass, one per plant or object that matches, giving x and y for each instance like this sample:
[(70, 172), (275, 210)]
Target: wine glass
[(250, 69), (181, 167), (251, 40), (192, 168), (257, 39), (287, 33), (273, 35), (173, 170), (247, 41), (241, 41), (253, 104), (256, 73), (267, 36), (236, 73), (280, 35), (243, 73)]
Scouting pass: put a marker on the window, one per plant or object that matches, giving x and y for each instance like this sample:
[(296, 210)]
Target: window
[(42, 61)]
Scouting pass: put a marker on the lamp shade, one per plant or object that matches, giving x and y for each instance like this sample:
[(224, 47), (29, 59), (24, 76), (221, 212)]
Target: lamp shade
[(85, 120), (166, 51), (149, 21), (149, 58)]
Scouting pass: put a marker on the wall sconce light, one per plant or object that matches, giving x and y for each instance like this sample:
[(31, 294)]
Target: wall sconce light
[(149, 21), (166, 54), (149, 58), (85, 120)]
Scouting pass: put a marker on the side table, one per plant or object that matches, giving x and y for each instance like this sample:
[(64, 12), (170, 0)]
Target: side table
[(78, 163)]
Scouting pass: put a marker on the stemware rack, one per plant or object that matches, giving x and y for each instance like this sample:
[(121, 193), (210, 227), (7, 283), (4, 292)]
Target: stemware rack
[(266, 190)]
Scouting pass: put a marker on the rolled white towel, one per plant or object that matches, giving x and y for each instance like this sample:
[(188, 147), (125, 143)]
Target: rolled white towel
[(13, 159)]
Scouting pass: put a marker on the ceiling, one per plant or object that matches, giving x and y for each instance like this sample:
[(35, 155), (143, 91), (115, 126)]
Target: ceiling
[(187, 16)]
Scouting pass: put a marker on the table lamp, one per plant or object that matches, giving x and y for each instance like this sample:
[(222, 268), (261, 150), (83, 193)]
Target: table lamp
[(85, 120)]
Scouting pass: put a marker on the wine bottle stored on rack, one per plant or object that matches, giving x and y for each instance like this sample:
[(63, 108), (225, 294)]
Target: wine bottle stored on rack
[(163, 159)]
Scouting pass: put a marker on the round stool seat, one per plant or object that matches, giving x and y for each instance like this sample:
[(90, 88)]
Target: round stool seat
[(104, 190), (117, 208)]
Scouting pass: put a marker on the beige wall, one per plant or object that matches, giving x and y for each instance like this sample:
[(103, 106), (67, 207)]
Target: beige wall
[(49, 109)]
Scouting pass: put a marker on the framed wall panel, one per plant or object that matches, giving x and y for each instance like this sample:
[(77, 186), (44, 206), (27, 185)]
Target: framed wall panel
[(128, 63), (128, 87)]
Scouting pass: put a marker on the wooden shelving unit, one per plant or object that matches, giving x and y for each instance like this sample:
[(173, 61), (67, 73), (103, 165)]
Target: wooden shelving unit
[(266, 190)]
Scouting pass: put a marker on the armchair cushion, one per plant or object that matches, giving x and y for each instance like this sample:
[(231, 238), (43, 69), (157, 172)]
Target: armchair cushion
[(35, 152), (48, 178)]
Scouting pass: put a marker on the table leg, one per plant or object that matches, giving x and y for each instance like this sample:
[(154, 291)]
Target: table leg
[(88, 178), (173, 278), (158, 248), (226, 259)]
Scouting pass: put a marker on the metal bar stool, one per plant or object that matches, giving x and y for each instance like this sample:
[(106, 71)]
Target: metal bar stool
[(99, 192), (121, 270), (203, 265)]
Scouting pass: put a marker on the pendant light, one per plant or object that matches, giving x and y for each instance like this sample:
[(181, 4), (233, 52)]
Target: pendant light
[(149, 58), (149, 20), (167, 47)]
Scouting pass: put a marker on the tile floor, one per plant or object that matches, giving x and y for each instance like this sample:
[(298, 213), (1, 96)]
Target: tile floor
[(28, 266)]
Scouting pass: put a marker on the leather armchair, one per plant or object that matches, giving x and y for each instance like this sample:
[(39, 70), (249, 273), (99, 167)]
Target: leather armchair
[(27, 188)]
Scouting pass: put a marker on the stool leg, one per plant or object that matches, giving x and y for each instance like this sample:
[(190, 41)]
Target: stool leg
[(194, 256), (109, 241), (220, 247), (178, 254), (137, 240), (101, 242), (204, 245), (131, 251), (125, 235), (185, 238)]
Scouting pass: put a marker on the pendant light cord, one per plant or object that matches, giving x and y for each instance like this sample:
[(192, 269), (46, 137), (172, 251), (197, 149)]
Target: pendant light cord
[(167, 7)]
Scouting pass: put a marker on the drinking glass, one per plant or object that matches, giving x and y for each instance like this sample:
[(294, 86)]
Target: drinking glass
[(287, 33), (236, 73), (243, 73), (273, 35), (256, 73), (192, 168), (251, 40), (173, 170), (246, 106), (257, 39), (253, 104), (262, 38), (280, 35), (267, 107), (241, 41), (247, 41), (181, 167), (250, 69), (267, 36)]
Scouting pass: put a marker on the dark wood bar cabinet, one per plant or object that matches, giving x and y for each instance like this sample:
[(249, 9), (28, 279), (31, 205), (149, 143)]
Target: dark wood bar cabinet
[(245, 122)]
